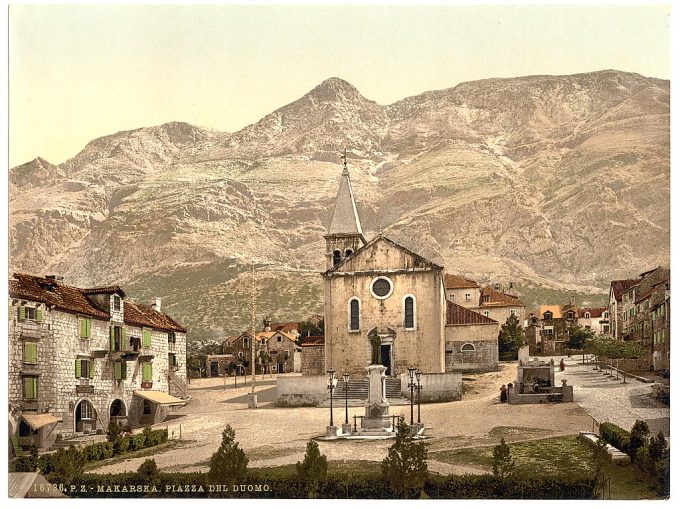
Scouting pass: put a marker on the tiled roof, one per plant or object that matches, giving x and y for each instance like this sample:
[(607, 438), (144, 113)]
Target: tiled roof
[(622, 285), (345, 216), (103, 289), (458, 315), (452, 282), (594, 312), (312, 341), (285, 326), (53, 293), (498, 299), (644, 296), (75, 300), (555, 310), (146, 316)]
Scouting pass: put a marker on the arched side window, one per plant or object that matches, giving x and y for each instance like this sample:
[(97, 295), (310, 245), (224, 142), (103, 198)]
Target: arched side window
[(409, 311), (354, 314), (337, 256), (606, 314), (348, 253), (587, 316), (547, 315), (467, 347)]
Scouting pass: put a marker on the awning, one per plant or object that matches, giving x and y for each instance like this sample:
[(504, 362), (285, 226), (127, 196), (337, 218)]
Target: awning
[(159, 397), (37, 421)]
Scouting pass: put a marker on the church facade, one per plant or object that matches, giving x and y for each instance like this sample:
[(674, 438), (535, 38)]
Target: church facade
[(384, 302)]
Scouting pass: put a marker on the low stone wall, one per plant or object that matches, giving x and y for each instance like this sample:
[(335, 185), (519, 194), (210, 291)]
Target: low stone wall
[(559, 394), (436, 387), (300, 390), (312, 360)]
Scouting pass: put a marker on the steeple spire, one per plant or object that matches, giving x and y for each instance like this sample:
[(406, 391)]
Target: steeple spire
[(345, 216)]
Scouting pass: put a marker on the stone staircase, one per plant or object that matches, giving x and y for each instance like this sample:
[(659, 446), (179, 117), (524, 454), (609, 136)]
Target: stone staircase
[(176, 386), (358, 393)]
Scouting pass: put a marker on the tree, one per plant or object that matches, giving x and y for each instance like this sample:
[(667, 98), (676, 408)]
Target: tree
[(638, 438), (313, 469), (148, 471), (503, 464), (67, 464), (308, 328), (405, 467), (114, 431), (511, 336), (579, 336), (229, 463), (658, 447)]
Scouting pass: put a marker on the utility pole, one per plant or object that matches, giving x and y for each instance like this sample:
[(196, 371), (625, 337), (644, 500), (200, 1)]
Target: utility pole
[(252, 397)]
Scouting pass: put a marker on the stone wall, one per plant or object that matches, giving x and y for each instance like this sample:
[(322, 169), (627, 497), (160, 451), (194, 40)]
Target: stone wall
[(312, 360), (59, 345), (300, 390), (484, 338), (436, 387)]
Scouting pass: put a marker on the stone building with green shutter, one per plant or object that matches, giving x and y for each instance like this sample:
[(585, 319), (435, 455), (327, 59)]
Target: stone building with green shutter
[(81, 357)]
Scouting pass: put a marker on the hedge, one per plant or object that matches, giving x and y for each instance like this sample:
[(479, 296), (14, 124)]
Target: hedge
[(94, 452), (616, 436), (261, 485)]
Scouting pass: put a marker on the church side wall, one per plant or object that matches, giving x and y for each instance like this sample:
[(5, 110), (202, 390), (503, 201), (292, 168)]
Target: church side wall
[(484, 338)]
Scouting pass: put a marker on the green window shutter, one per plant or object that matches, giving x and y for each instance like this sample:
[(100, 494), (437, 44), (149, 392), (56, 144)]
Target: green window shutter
[(78, 370), (91, 374), (123, 370), (83, 327), (88, 328), (147, 373), (39, 315), (30, 353), (30, 388), (22, 313), (146, 335), (113, 339), (34, 383), (117, 370), (123, 338)]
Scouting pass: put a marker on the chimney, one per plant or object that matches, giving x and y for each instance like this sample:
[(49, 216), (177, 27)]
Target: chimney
[(157, 304), (572, 301), (267, 322), (55, 277)]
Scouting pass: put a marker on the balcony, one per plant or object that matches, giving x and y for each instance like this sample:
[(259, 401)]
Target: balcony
[(146, 354), (85, 386)]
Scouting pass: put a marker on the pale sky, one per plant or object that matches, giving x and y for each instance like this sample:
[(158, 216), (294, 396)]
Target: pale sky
[(78, 72)]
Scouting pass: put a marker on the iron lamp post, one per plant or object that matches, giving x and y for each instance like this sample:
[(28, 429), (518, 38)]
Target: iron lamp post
[(331, 388), (345, 378), (411, 385), (419, 374)]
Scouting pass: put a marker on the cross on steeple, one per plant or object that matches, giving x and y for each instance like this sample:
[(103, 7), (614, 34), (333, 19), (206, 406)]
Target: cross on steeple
[(343, 158)]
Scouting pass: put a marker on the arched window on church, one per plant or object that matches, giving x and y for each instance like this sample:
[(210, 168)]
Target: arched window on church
[(354, 314), (337, 255), (409, 312), (467, 347), (348, 253)]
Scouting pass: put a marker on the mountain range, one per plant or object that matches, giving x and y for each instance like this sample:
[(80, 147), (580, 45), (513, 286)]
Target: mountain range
[(555, 183)]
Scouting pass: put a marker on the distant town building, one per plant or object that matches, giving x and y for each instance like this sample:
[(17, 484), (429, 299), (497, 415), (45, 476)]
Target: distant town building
[(81, 357), (493, 302)]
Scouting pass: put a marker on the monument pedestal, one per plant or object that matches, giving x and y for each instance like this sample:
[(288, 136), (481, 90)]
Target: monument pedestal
[(331, 431), (346, 429), (377, 409), (252, 400)]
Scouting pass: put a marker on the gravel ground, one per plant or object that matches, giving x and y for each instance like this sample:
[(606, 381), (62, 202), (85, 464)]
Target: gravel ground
[(277, 436)]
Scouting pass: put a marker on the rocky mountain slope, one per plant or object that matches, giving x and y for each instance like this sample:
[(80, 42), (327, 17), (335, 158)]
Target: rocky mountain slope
[(553, 182)]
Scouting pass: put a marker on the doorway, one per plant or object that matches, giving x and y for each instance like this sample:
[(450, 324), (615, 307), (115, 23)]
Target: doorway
[(386, 358), (85, 416)]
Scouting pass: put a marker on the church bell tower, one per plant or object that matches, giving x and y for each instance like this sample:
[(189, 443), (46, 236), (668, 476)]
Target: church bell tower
[(345, 235)]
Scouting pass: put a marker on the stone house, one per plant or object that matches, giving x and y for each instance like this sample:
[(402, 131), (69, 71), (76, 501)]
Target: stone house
[(495, 303), (635, 301), (594, 318), (312, 356), (462, 291), (218, 364), (284, 352), (617, 290), (471, 340), (661, 334), (79, 358), (382, 301)]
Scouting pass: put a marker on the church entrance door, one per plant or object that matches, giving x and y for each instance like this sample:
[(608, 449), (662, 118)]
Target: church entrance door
[(386, 358)]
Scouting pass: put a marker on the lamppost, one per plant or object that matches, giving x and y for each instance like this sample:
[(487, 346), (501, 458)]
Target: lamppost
[(419, 374), (411, 385), (345, 378), (331, 388)]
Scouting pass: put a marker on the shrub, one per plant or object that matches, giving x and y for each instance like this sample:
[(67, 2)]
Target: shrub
[(616, 436), (638, 438), (114, 431), (313, 469), (120, 445), (229, 463), (66, 465), (503, 464), (658, 447), (405, 467), (23, 464), (148, 471)]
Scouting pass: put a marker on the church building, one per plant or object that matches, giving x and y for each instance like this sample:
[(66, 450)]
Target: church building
[(383, 300)]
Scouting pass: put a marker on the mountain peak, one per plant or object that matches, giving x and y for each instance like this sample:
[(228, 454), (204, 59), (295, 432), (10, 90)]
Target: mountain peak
[(335, 88)]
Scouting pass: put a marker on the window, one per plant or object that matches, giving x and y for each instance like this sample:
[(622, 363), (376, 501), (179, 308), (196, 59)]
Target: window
[(605, 329), (246, 342), (354, 312), (116, 334), (586, 315), (146, 339), (348, 253), (240, 354), (486, 313), (84, 368), (547, 332), (171, 337), (467, 297), (467, 347), (30, 384), (486, 298), (337, 256), (606, 314), (172, 360), (86, 410), (30, 313), (147, 407), (286, 354), (279, 339), (381, 287), (147, 372), (513, 311), (547, 315), (120, 370), (85, 325), (409, 312), (116, 303), (570, 315), (30, 353)]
